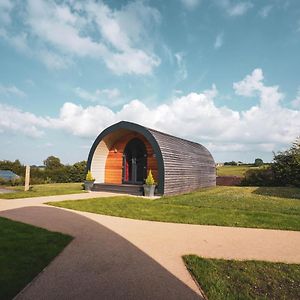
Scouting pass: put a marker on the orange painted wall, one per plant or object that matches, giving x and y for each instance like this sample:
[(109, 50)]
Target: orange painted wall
[(113, 166)]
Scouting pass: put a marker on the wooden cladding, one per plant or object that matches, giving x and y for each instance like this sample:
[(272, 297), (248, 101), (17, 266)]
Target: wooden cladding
[(188, 166), (114, 161)]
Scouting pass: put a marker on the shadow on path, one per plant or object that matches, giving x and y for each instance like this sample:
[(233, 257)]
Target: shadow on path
[(97, 264)]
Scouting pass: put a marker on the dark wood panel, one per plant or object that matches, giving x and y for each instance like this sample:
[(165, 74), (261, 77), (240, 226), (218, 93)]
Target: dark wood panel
[(188, 165)]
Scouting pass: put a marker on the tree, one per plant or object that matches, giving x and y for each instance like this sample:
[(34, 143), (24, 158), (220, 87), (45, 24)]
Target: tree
[(15, 166), (258, 162), (286, 166), (230, 163), (52, 163), (77, 172)]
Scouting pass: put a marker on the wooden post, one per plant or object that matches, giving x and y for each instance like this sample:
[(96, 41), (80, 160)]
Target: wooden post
[(27, 178)]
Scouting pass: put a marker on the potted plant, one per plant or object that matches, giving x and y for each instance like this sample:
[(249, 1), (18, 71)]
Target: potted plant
[(149, 185), (89, 181)]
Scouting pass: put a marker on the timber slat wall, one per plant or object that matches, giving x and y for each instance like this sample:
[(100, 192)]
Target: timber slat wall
[(188, 166)]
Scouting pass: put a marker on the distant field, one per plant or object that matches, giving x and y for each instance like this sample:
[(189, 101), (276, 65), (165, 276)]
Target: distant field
[(235, 170), (43, 190)]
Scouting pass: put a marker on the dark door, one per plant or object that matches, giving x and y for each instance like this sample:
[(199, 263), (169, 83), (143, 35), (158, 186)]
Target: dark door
[(134, 162)]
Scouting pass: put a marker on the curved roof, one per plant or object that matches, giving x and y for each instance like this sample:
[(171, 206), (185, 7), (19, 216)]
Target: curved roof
[(182, 165), (140, 129)]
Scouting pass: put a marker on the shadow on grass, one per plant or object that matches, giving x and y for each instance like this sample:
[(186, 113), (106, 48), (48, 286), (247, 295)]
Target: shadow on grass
[(282, 192), (97, 264)]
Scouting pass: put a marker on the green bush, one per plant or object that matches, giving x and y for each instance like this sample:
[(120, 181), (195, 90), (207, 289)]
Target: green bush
[(53, 172), (284, 171), (286, 166), (89, 176), (150, 180), (12, 182), (259, 177)]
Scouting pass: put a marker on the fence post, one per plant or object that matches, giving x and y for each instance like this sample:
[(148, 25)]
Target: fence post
[(27, 178)]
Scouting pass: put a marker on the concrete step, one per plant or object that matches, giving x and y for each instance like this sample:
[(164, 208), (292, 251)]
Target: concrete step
[(116, 188)]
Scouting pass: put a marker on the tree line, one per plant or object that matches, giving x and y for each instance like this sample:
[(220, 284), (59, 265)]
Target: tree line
[(52, 171)]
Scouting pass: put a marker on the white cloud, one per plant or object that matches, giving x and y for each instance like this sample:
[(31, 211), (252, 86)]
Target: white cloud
[(190, 4), (263, 127), (219, 40), (196, 117), (234, 9), (296, 101), (17, 121), (252, 85), (58, 32), (97, 95), (6, 7), (52, 60), (265, 11), (182, 73), (239, 9), (11, 91)]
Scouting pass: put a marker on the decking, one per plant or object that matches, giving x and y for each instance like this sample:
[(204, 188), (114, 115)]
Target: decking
[(131, 189)]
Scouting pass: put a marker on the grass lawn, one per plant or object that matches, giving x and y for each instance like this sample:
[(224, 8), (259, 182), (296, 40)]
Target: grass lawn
[(229, 279), (235, 170), (277, 208), (25, 251), (43, 190)]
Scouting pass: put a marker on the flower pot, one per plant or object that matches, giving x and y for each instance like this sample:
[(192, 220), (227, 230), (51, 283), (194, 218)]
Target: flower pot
[(149, 190), (88, 185)]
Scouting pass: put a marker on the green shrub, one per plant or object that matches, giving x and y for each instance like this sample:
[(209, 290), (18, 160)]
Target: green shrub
[(150, 180), (53, 172), (284, 171), (286, 166), (259, 177), (12, 182), (89, 176)]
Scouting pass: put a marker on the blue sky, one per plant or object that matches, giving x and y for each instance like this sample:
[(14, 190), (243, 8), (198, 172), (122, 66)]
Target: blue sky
[(223, 73)]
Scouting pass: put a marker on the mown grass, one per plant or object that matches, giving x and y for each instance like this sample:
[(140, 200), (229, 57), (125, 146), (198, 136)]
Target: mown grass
[(25, 251), (232, 280), (43, 190), (235, 170), (276, 208)]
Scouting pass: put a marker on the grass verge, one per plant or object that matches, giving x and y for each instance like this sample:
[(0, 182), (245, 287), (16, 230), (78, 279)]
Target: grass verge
[(229, 279), (25, 251), (43, 190), (272, 208)]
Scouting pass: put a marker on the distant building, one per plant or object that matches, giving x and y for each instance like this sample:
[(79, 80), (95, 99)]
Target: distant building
[(8, 175), (219, 165)]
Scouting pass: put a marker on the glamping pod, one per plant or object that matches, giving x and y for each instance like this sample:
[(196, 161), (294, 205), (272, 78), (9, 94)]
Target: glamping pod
[(123, 153)]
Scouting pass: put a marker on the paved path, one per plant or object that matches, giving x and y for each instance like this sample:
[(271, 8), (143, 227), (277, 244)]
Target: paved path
[(25, 202), (118, 258)]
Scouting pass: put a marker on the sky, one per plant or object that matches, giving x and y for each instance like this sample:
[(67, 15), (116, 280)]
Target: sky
[(223, 73)]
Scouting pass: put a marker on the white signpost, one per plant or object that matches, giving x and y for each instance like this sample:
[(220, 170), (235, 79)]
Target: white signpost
[(27, 178)]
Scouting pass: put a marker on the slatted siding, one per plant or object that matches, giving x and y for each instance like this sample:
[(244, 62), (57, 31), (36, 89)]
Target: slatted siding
[(114, 161), (188, 165), (98, 162)]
